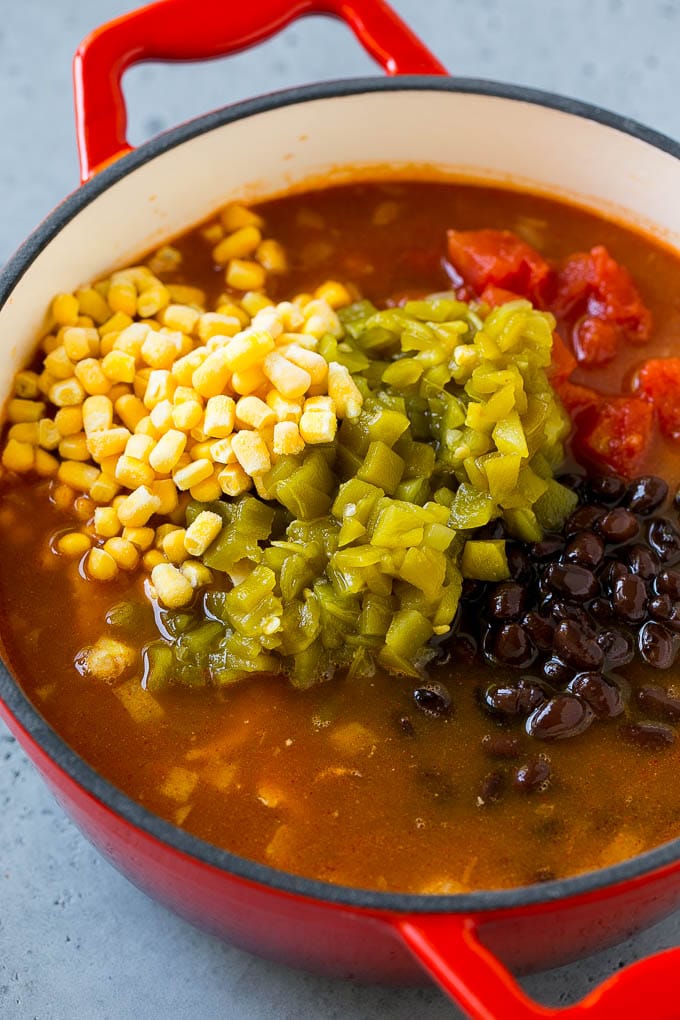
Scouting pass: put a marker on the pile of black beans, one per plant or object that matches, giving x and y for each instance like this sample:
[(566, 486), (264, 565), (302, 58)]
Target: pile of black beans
[(580, 606)]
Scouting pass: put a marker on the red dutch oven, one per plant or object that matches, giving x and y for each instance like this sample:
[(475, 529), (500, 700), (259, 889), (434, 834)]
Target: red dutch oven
[(417, 122)]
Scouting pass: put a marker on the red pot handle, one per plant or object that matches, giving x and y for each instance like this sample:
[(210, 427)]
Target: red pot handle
[(450, 950), (204, 29)]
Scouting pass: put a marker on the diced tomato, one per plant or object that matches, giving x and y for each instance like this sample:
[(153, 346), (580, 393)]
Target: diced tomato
[(563, 361), (495, 296), (575, 398), (595, 283), (618, 433), (503, 259), (659, 382), (596, 341)]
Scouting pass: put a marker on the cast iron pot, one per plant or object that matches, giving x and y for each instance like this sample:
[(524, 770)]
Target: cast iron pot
[(132, 200)]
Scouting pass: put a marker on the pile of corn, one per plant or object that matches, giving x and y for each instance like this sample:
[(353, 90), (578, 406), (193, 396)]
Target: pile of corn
[(146, 400)]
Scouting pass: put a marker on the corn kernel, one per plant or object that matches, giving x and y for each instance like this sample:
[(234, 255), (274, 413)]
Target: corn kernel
[(130, 410), (160, 350), (161, 531), (90, 375), (219, 419), (251, 452), (193, 473), (187, 415), (119, 390), (133, 473), (161, 416), (173, 546), (202, 532), (130, 339), (184, 368), (285, 410), (141, 537), (145, 427), (212, 233), (182, 294), (237, 245), (136, 509), (18, 456), (97, 414), (221, 452), (201, 450), (66, 393), (26, 432), (123, 552), (45, 464), (233, 480), (49, 435), (45, 383), (160, 386), (235, 215), (243, 274), (343, 391), (208, 490), (100, 565), (58, 364), (139, 447), (26, 385), (212, 377), (80, 343), (287, 438), (212, 324), (93, 304), (334, 294), (74, 447), (78, 475), (225, 306), (105, 488), (251, 412), (314, 363), (172, 587), (119, 366), (19, 410), (254, 301), (73, 544), (65, 309), (289, 380), (268, 320), (196, 573), (152, 558), (61, 495), (106, 443), (248, 381), (321, 319), (115, 324), (318, 426), (106, 522), (181, 318), (166, 491), (167, 451), (271, 256)]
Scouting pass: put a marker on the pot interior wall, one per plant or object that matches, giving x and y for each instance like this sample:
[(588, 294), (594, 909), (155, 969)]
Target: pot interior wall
[(405, 132)]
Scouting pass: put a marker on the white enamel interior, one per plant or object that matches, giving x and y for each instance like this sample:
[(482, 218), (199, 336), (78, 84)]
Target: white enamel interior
[(375, 133)]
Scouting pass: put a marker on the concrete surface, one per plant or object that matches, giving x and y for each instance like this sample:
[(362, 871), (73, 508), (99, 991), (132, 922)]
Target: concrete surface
[(76, 941)]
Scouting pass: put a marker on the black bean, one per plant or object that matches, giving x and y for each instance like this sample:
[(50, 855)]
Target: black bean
[(584, 518), (642, 561), (512, 646), (501, 745), (601, 609), (561, 610), (603, 697), (657, 645), (561, 717), (666, 609), (652, 736), (570, 480), (540, 629), (585, 548), (533, 775), (506, 601), (557, 672), (629, 598), (646, 494), (433, 698), (547, 549), (577, 647), (607, 489), (491, 788), (668, 583), (664, 539), (657, 703), (571, 580), (611, 572), (406, 726), (519, 564), (463, 649), (492, 531), (618, 525), (513, 699), (618, 648), (473, 590)]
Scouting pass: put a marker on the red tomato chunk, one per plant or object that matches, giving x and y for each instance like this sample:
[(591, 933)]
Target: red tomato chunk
[(618, 433), (501, 259), (659, 381)]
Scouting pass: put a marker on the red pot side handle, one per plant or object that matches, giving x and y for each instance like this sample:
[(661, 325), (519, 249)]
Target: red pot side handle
[(450, 950), (172, 30)]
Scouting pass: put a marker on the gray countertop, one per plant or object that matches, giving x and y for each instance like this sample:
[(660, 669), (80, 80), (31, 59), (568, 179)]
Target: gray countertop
[(76, 940)]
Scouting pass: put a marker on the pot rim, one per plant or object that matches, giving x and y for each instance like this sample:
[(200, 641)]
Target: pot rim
[(109, 796)]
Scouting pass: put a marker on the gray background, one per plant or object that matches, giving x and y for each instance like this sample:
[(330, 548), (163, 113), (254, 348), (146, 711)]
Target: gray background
[(76, 941)]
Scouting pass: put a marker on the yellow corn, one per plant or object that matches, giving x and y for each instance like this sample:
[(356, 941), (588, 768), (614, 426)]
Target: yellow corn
[(26, 432), (18, 456), (181, 318), (190, 475), (49, 435), (233, 480), (100, 565), (65, 309), (136, 509), (212, 324), (73, 544), (45, 465), (77, 475), (141, 537), (74, 447), (343, 391), (124, 553), (321, 319), (248, 381), (160, 386), (26, 385), (243, 274), (139, 447), (119, 366), (66, 393), (318, 426), (334, 294), (287, 438), (167, 451), (58, 364), (172, 545), (161, 416), (79, 343), (105, 488), (187, 415), (133, 473), (160, 350), (106, 523), (314, 363), (240, 243), (152, 558), (196, 573), (105, 443), (19, 410), (202, 531), (172, 587), (236, 215), (207, 490), (212, 376), (251, 452), (251, 412), (165, 491), (93, 304), (220, 413), (130, 409), (289, 380), (184, 368), (271, 256)]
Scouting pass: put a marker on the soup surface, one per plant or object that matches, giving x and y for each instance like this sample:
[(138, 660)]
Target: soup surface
[(350, 781)]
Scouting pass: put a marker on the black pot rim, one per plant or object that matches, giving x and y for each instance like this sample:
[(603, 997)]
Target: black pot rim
[(110, 796)]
